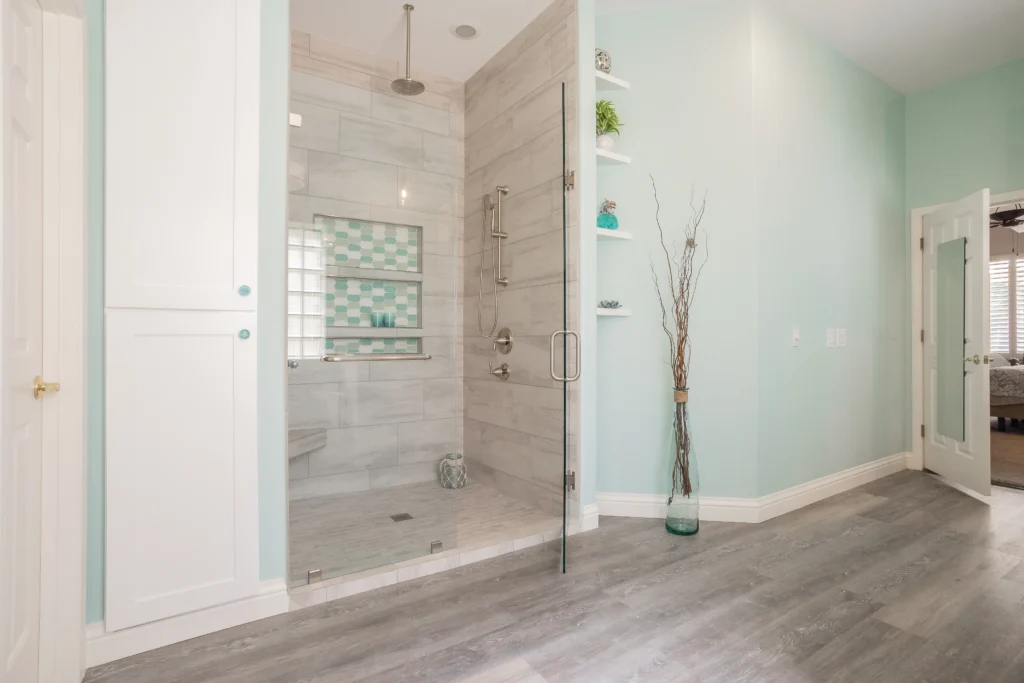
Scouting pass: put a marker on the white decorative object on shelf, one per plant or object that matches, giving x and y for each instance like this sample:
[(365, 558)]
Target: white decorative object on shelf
[(604, 157), (609, 82), (613, 312), (605, 142), (452, 469), (604, 233), (295, 120)]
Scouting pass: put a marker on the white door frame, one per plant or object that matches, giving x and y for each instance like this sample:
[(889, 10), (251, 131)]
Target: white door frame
[(915, 458), (62, 561)]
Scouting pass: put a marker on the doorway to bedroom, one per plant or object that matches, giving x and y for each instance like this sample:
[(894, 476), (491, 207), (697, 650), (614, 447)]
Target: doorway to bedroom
[(1006, 341)]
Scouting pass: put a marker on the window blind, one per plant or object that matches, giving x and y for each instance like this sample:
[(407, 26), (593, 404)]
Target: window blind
[(999, 305)]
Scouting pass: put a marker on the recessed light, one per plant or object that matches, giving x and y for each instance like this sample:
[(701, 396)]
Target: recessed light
[(464, 31)]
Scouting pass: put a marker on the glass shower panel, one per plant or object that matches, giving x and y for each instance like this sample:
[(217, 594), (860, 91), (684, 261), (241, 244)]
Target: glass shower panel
[(949, 420)]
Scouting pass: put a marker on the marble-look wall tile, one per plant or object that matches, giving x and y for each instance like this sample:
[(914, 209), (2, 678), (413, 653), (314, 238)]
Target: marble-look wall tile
[(331, 485), (439, 316), (324, 92), (351, 58), (319, 129), (303, 209), (300, 43), (400, 475), (375, 403), (312, 405), (439, 154), (381, 141), (440, 398), (339, 74), (398, 110), (354, 449), (356, 180), (426, 441), (298, 170), (425, 191)]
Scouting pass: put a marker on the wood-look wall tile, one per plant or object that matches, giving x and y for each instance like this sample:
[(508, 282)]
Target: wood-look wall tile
[(351, 58), (324, 92), (333, 72), (312, 405), (439, 316), (424, 191), (303, 208), (354, 449), (300, 43), (376, 140), (319, 129), (332, 485), (440, 398), (376, 403), (426, 441), (409, 113), (439, 154), (356, 180), (400, 475), (298, 170)]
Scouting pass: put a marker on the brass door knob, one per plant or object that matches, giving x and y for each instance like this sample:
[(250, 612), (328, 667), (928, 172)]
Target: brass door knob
[(39, 387)]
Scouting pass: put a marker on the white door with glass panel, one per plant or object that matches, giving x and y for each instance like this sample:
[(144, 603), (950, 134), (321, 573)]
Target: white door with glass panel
[(956, 344)]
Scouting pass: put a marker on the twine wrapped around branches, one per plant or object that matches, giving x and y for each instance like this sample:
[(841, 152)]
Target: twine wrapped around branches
[(676, 304)]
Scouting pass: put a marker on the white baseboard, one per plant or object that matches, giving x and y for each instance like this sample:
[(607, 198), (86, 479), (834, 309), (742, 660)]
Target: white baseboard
[(590, 517), (102, 647), (754, 510)]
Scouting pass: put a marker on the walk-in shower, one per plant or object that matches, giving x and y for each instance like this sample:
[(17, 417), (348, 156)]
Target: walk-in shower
[(491, 234)]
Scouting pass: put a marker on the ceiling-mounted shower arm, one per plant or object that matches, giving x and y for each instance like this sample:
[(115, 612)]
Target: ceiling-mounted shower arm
[(407, 86)]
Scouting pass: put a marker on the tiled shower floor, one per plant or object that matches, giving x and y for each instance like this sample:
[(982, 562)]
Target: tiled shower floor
[(353, 532)]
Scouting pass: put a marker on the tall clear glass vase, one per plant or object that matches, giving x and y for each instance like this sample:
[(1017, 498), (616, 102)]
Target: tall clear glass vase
[(682, 515)]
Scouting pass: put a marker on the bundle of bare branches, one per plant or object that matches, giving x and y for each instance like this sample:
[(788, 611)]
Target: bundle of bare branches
[(676, 302)]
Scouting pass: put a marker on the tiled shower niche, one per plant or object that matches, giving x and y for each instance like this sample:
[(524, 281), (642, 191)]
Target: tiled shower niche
[(381, 251)]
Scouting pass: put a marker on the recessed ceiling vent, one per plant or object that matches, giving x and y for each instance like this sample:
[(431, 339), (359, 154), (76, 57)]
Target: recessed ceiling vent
[(464, 31)]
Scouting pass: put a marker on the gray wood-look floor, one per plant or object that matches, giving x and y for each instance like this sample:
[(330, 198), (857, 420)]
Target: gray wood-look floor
[(900, 581)]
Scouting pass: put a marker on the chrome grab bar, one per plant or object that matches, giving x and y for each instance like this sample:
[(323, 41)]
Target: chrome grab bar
[(375, 356), (576, 341)]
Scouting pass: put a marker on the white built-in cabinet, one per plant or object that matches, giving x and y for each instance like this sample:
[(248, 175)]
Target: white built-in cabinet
[(181, 220)]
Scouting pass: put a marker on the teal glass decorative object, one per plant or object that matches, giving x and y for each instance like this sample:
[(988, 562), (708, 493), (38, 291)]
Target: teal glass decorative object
[(378, 319), (682, 516), (607, 219)]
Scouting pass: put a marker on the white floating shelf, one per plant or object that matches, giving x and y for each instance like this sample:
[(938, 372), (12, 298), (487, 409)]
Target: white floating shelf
[(614, 312), (605, 158), (606, 234), (609, 82)]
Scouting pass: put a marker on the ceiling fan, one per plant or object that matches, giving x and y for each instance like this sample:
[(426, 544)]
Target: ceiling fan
[(1008, 218)]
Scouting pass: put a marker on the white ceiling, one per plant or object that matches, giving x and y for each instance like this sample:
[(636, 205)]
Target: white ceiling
[(378, 27), (912, 45)]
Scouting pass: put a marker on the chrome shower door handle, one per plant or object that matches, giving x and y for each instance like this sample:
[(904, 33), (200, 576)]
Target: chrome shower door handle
[(576, 344)]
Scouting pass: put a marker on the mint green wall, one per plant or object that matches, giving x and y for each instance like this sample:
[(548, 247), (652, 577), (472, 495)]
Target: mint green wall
[(688, 123), (966, 135), (831, 243), (270, 314), (802, 154)]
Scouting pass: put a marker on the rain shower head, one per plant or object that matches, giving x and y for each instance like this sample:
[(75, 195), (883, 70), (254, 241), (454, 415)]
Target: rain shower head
[(407, 86)]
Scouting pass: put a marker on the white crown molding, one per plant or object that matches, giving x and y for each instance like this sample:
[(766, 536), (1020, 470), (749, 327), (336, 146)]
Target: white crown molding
[(755, 510)]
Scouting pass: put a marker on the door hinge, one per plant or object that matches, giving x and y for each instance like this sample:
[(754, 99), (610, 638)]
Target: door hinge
[(922, 336), (922, 431), (922, 244), (570, 481), (570, 180)]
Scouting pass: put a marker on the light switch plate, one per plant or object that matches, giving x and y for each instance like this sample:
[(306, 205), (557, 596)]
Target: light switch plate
[(841, 337), (830, 337), (796, 336)]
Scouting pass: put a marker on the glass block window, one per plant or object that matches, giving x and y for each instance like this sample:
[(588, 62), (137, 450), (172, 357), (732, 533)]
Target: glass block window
[(351, 302), (365, 244), (361, 346), (306, 290)]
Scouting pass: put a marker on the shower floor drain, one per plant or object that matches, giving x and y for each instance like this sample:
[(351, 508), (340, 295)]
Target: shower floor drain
[(401, 517)]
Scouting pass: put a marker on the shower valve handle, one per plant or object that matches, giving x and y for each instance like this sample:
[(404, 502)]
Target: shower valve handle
[(501, 371)]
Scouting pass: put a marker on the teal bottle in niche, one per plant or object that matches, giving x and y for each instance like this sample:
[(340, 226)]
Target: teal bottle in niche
[(607, 219)]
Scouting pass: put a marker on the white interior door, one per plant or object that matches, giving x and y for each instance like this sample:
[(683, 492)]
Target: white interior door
[(20, 476), (956, 323)]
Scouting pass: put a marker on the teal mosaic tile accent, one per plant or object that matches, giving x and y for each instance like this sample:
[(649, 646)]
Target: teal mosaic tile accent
[(364, 244), (352, 301), (370, 346)]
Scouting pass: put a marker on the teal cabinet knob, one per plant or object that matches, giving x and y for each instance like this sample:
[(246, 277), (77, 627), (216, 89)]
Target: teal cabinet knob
[(244, 334), (244, 290)]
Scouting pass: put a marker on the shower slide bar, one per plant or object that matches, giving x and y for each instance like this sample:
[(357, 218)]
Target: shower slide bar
[(375, 356)]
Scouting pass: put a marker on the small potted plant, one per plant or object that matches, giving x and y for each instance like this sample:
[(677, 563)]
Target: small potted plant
[(607, 122)]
